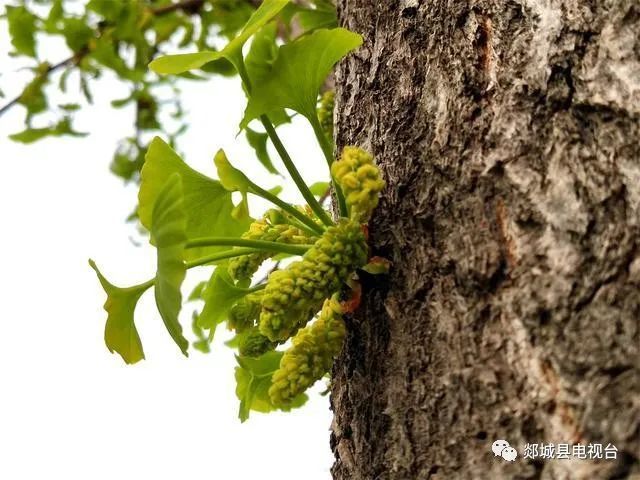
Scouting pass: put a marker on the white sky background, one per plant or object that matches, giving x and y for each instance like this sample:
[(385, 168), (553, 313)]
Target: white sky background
[(68, 408)]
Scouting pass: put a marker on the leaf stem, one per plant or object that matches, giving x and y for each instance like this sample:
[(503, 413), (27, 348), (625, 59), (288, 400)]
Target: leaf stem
[(236, 252), (325, 145), (284, 155), (243, 242), (310, 224), (293, 171)]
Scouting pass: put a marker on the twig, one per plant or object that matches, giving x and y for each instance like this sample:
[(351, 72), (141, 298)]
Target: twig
[(189, 6)]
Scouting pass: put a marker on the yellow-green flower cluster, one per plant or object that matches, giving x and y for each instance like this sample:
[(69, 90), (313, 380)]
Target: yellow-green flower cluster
[(325, 112), (270, 228), (360, 181), (310, 356), (244, 314), (294, 294)]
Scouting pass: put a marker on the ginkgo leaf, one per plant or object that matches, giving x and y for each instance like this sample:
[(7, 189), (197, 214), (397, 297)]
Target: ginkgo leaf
[(220, 295), (233, 180), (168, 234), (207, 204), (120, 334), (172, 64), (22, 29), (230, 177), (253, 379), (319, 188), (298, 73)]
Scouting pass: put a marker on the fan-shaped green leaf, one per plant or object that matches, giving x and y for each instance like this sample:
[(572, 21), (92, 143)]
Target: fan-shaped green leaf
[(298, 73), (168, 234), (120, 334), (207, 204), (172, 64)]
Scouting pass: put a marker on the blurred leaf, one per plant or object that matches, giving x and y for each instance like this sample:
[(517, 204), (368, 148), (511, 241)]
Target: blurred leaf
[(121, 102), (197, 292), (168, 235), (165, 26), (207, 204), (33, 97), (107, 9), (319, 188), (146, 111), (120, 334), (127, 160), (84, 87), (202, 344), (22, 29), (62, 83), (233, 51), (55, 15), (106, 52), (253, 379), (69, 107), (76, 33), (30, 135), (298, 73), (323, 16)]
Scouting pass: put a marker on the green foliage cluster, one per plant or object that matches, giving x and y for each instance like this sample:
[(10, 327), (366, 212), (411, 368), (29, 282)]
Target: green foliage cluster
[(121, 38), (193, 222)]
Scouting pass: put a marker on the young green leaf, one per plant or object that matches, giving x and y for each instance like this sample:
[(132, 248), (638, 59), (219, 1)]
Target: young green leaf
[(168, 235), (253, 379), (230, 177), (220, 295), (22, 28), (172, 64), (298, 73), (120, 334), (319, 188), (207, 204), (233, 180)]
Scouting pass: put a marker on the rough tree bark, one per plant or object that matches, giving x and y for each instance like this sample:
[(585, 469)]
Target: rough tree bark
[(508, 133)]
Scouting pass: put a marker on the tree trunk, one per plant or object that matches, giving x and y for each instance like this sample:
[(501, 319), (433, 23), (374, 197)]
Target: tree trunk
[(508, 133)]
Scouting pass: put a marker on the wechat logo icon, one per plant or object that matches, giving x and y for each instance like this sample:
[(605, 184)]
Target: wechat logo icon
[(503, 449)]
